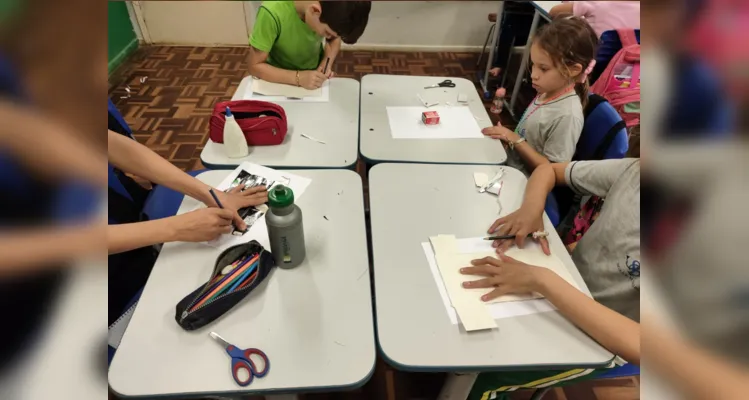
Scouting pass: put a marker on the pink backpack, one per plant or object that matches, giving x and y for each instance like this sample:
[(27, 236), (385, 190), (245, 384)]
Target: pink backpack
[(620, 82)]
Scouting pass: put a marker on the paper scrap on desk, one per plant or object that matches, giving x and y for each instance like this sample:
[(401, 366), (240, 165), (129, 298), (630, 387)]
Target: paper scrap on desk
[(480, 179), (314, 139), (505, 306), (259, 89), (455, 123), (254, 175)]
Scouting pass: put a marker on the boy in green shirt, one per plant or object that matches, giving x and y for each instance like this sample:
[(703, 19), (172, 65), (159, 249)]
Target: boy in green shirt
[(286, 41)]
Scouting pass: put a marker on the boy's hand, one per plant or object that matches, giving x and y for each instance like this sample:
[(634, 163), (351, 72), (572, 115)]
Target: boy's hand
[(506, 276), (311, 79), (329, 72), (520, 223)]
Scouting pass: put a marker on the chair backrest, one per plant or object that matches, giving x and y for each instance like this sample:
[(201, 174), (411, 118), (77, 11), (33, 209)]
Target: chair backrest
[(604, 134)]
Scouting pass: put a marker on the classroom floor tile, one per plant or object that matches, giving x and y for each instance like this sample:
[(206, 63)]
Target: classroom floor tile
[(172, 93)]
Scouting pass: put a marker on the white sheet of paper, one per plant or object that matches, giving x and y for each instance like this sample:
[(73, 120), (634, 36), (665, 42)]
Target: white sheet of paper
[(455, 123), (511, 306), (258, 230), (277, 92)]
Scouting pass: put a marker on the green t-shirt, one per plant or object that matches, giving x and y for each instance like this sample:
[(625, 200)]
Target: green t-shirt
[(289, 41)]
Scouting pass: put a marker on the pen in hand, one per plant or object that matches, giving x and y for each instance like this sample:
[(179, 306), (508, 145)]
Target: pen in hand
[(221, 206), (325, 68), (535, 235)]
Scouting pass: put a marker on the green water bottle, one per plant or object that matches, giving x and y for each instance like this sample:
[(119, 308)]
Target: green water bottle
[(285, 228)]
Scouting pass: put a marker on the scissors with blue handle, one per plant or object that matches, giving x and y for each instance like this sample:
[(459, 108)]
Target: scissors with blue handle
[(241, 360), (445, 83)]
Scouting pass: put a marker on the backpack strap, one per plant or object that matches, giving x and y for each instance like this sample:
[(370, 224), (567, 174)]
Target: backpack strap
[(627, 37), (600, 152)]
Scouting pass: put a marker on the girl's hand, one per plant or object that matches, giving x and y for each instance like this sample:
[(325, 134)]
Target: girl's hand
[(501, 133), (506, 275), (520, 223), (236, 199), (328, 72)]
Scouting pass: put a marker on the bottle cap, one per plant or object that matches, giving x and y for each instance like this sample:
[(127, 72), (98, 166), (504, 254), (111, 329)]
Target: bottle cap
[(228, 112), (280, 196)]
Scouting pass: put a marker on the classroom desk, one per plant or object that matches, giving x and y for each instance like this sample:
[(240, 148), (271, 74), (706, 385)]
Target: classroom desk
[(411, 202), (335, 122), (314, 322), (377, 143), (541, 9)]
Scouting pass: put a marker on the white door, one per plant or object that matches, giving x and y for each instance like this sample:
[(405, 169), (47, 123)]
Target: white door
[(207, 23)]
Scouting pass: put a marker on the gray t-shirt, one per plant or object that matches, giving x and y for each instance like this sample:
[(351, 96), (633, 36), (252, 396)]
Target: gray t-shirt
[(552, 130), (608, 255)]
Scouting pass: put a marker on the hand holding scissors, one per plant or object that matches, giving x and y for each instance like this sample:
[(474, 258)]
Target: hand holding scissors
[(445, 83), (241, 360)]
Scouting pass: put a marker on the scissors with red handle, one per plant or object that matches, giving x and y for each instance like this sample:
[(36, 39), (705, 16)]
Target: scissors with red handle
[(241, 360)]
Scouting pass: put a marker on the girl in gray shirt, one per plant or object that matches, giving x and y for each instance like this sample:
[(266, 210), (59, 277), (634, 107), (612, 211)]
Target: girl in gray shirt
[(562, 55)]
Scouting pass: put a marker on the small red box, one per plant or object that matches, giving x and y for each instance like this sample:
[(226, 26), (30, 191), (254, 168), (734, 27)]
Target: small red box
[(430, 118)]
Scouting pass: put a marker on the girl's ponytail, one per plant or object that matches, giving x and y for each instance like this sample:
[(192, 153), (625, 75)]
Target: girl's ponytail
[(582, 89), (582, 86)]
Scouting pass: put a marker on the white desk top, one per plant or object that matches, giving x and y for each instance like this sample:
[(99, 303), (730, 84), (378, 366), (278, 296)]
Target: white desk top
[(545, 6), (410, 203), (314, 322), (335, 122), (377, 143)]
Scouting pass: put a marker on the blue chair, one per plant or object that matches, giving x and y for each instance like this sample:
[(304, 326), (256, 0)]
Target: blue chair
[(604, 137)]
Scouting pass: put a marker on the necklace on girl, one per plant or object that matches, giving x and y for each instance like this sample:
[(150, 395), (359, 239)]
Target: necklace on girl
[(527, 114)]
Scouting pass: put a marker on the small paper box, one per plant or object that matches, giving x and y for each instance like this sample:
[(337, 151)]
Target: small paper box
[(430, 118)]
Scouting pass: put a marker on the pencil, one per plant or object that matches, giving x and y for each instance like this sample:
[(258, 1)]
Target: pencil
[(325, 69), (215, 198), (505, 237)]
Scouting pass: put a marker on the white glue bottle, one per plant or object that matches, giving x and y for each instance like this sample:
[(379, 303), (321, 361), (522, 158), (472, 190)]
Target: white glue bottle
[(235, 144)]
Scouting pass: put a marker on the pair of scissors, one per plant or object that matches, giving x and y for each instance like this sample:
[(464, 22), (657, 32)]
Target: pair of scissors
[(241, 360), (445, 83)]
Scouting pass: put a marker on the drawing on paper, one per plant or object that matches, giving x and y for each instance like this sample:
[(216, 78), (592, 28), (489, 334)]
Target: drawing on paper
[(248, 180)]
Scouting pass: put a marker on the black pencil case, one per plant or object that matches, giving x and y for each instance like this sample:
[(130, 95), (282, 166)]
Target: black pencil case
[(211, 310)]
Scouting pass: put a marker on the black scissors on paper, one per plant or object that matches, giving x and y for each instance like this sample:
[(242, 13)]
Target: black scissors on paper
[(445, 83)]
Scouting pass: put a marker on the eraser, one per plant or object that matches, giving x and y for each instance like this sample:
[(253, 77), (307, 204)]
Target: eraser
[(430, 118), (462, 98)]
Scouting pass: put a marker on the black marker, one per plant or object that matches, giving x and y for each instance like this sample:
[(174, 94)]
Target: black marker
[(325, 69)]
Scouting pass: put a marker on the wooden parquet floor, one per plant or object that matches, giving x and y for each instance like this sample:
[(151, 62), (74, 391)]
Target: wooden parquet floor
[(172, 93)]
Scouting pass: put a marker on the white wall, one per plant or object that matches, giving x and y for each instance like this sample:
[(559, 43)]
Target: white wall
[(393, 25), (205, 23), (427, 25)]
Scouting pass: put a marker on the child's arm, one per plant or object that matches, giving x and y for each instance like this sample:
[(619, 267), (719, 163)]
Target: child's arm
[(332, 48), (612, 330), (531, 158)]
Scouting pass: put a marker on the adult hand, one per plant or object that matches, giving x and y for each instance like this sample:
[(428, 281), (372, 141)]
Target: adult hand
[(311, 79), (501, 133), (520, 223), (506, 275), (201, 225), (236, 199)]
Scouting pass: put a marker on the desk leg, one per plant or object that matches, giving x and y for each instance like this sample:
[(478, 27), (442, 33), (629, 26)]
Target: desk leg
[(524, 62), (492, 49), (282, 397), (458, 386)]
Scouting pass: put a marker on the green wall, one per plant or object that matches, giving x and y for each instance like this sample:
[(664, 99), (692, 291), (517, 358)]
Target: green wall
[(122, 39)]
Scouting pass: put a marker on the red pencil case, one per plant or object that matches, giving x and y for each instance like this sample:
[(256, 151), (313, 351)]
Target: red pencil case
[(263, 123)]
